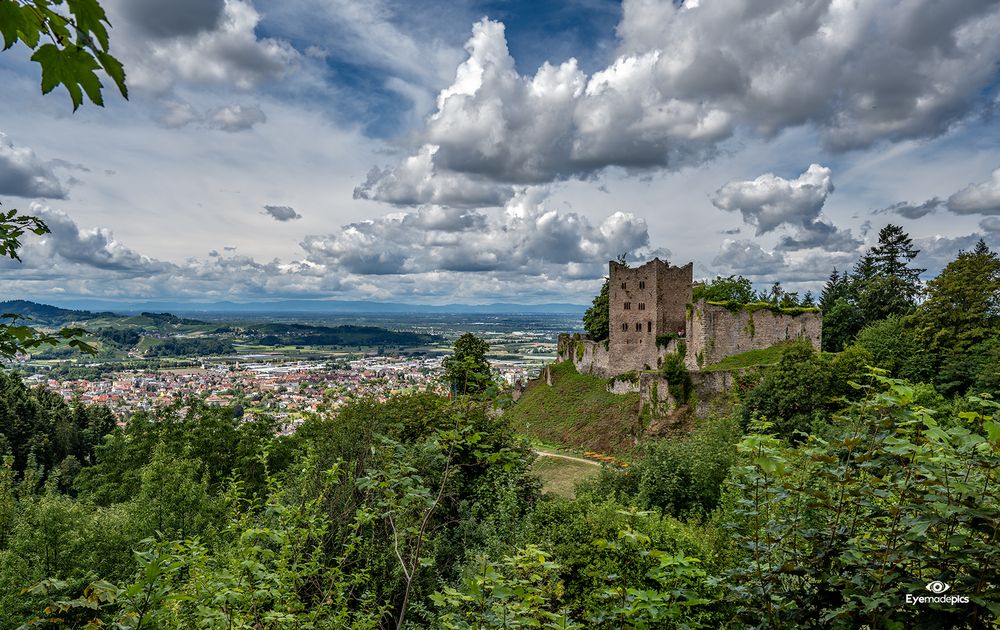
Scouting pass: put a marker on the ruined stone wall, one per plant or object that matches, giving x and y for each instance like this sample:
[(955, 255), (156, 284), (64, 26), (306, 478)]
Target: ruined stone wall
[(588, 357), (655, 400), (715, 332)]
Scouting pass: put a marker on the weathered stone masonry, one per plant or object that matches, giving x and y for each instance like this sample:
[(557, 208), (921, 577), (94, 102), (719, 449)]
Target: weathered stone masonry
[(645, 302), (716, 331)]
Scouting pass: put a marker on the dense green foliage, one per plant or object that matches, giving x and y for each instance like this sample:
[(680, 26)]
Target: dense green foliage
[(882, 285), (678, 379), (959, 322), (730, 289), (597, 318), (421, 511), (801, 390), (467, 371), (38, 429), (190, 347), (839, 531), (124, 337), (307, 334), (680, 477)]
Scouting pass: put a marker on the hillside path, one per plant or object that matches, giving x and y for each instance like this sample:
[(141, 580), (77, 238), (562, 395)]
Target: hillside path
[(569, 457)]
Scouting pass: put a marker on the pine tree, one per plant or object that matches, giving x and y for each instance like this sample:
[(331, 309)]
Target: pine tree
[(894, 252), (884, 284), (838, 286)]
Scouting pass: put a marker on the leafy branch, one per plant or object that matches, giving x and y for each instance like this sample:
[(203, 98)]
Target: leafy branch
[(16, 338), (78, 46)]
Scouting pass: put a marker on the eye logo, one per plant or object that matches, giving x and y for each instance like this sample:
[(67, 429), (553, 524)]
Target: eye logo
[(937, 587)]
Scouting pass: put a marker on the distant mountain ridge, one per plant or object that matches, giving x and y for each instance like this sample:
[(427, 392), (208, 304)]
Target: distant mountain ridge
[(313, 306), (46, 313)]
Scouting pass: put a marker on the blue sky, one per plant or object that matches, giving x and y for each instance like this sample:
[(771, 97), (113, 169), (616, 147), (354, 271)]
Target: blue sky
[(476, 151)]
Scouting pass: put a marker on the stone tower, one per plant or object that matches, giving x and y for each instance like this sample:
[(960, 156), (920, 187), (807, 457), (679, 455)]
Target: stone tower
[(645, 302)]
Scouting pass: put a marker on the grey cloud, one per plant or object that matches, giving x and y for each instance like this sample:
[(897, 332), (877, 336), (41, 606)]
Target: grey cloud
[(282, 213), (748, 258), (23, 174), (177, 114), (990, 224), (914, 211), (173, 18), (822, 235), (214, 253), (94, 247), (770, 201), (197, 49), (983, 198), (687, 76), (417, 181), (68, 249), (976, 198), (229, 248), (231, 118)]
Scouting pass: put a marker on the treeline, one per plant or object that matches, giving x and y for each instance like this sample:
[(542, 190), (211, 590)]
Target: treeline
[(190, 347), (305, 334), (947, 332)]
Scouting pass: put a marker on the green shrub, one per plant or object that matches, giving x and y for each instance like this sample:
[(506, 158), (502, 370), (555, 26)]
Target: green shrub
[(894, 347), (662, 341), (600, 546), (683, 477), (793, 394), (678, 379), (838, 532)]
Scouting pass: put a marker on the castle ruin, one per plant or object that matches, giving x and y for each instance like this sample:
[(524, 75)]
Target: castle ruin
[(652, 314)]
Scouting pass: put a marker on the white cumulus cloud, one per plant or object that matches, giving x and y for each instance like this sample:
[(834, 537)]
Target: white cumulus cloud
[(982, 198), (688, 76), (770, 201)]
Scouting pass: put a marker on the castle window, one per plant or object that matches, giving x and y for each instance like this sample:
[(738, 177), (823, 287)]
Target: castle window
[(628, 306), (625, 327), (623, 285), (642, 306), (638, 326), (649, 326), (642, 284)]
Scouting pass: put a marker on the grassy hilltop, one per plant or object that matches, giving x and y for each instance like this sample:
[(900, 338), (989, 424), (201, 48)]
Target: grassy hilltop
[(577, 411)]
